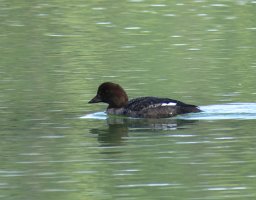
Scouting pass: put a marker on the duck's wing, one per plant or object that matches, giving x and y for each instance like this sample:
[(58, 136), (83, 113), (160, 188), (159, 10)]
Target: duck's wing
[(155, 107), (149, 102)]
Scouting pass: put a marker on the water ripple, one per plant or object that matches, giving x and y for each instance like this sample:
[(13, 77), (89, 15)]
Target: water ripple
[(147, 185), (211, 112), (224, 111)]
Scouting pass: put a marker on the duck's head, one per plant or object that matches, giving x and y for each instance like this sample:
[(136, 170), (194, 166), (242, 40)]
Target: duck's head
[(112, 94)]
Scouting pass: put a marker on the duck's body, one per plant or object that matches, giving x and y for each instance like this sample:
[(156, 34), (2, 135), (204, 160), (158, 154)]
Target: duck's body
[(142, 107)]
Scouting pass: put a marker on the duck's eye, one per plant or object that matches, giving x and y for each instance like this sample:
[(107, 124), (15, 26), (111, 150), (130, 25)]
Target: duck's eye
[(104, 92)]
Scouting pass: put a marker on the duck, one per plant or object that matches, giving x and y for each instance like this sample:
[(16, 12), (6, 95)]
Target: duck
[(142, 107)]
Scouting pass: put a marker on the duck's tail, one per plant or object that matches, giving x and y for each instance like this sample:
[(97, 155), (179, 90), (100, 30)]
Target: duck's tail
[(190, 109)]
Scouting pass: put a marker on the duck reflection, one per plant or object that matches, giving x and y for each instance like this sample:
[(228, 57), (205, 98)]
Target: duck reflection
[(118, 128), (113, 135)]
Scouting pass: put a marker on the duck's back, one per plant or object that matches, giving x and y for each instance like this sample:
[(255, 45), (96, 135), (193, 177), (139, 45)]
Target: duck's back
[(154, 107)]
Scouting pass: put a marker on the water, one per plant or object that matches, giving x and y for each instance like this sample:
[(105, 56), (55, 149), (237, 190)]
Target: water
[(56, 146)]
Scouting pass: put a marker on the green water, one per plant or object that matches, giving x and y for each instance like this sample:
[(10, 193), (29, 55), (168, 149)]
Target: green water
[(54, 54)]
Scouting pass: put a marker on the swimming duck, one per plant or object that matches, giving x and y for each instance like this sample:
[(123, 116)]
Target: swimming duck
[(142, 107)]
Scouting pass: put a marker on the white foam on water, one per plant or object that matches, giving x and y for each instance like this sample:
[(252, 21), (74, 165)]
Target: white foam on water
[(224, 111), (97, 115), (210, 112)]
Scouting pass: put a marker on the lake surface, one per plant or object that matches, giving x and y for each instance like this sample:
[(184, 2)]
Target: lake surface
[(54, 54)]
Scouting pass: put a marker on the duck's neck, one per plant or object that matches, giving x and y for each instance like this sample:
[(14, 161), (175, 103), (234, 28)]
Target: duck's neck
[(119, 100)]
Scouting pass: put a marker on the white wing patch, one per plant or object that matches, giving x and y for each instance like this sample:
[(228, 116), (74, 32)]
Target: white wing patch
[(169, 104), (161, 105)]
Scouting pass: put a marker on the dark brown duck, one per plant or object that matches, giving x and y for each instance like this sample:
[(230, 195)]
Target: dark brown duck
[(142, 107)]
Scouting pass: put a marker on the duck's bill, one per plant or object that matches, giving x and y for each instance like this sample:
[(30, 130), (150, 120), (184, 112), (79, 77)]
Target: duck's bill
[(96, 99)]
